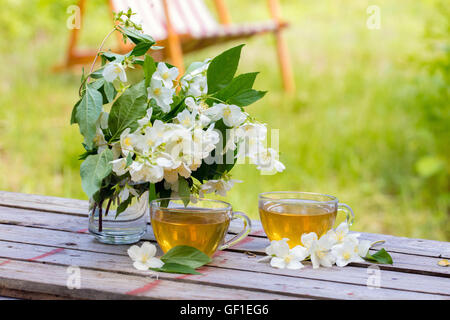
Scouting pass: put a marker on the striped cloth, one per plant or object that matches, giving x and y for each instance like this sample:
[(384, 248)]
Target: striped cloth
[(188, 17)]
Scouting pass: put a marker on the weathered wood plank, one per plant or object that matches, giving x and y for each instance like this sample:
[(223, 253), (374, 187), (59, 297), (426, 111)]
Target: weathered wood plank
[(233, 260), (79, 207), (212, 276), (43, 203), (402, 262), (26, 280)]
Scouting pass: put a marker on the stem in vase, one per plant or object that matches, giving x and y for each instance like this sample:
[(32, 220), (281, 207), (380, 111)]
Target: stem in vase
[(107, 207), (100, 224)]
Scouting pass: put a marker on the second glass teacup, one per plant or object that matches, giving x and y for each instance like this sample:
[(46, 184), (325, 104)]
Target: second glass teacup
[(286, 214), (202, 225)]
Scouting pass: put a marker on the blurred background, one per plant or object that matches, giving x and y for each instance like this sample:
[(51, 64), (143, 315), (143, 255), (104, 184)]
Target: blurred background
[(369, 121)]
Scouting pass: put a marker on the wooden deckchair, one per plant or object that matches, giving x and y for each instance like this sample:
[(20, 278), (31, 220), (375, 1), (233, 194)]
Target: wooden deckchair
[(181, 26)]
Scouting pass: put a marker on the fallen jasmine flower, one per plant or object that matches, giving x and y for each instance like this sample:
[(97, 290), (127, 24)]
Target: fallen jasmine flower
[(320, 252), (347, 252), (144, 256), (339, 234), (284, 257)]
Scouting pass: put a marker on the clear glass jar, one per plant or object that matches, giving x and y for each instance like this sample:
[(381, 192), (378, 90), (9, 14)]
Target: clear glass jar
[(128, 227)]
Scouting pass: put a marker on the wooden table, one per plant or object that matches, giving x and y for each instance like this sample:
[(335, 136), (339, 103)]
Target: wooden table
[(41, 237)]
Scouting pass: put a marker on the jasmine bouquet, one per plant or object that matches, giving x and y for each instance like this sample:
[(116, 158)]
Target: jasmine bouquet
[(165, 133)]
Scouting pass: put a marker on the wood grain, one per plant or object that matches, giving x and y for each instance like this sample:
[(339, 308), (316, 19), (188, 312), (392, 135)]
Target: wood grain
[(211, 276), (41, 236), (233, 260), (402, 262)]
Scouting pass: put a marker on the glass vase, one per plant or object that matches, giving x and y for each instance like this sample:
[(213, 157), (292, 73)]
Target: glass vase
[(128, 227)]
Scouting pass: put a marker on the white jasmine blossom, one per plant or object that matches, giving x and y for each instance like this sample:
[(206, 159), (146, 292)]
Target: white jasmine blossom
[(192, 105), (267, 160), (179, 168), (153, 137), (341, 232), (99, 140), (308, 239), (320, 252), (165, 74), (195, 82), (114, 70), (186, 119), (346, 252), (119, 166), (126, 142), (284, 257), (198, 86), (231, 115), (219, 187), (146, 172), (144, 256), (162, 95), (363, 247), (146, 119)]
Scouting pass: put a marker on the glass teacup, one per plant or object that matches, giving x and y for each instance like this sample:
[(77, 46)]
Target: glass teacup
[(202, 225), (286, 214)]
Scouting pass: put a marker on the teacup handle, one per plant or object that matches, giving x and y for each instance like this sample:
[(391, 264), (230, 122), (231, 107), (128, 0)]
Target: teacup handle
[(241, 235), (342, 207)]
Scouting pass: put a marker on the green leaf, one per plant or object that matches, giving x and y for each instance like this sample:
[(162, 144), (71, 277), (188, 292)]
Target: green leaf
[(186, 255), (175, 268), (238, 85), (222, 69), (84, 155), (127, 109), (184, 191), (140, 49), (123, 206), (73, 118), (194, 66), (381, 256), (106, 89), (109, 91), (97, 84), (149, 69), (129, 160), (111, 56), (97, 74), (151, 192), (137, 37), (246, 97), (87, 113), (93, 170)]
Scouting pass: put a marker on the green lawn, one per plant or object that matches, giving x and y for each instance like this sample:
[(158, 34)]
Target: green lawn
[(369, 121)]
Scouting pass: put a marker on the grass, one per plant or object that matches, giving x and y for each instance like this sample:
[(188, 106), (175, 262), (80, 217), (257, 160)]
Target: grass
[(367, 123)]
